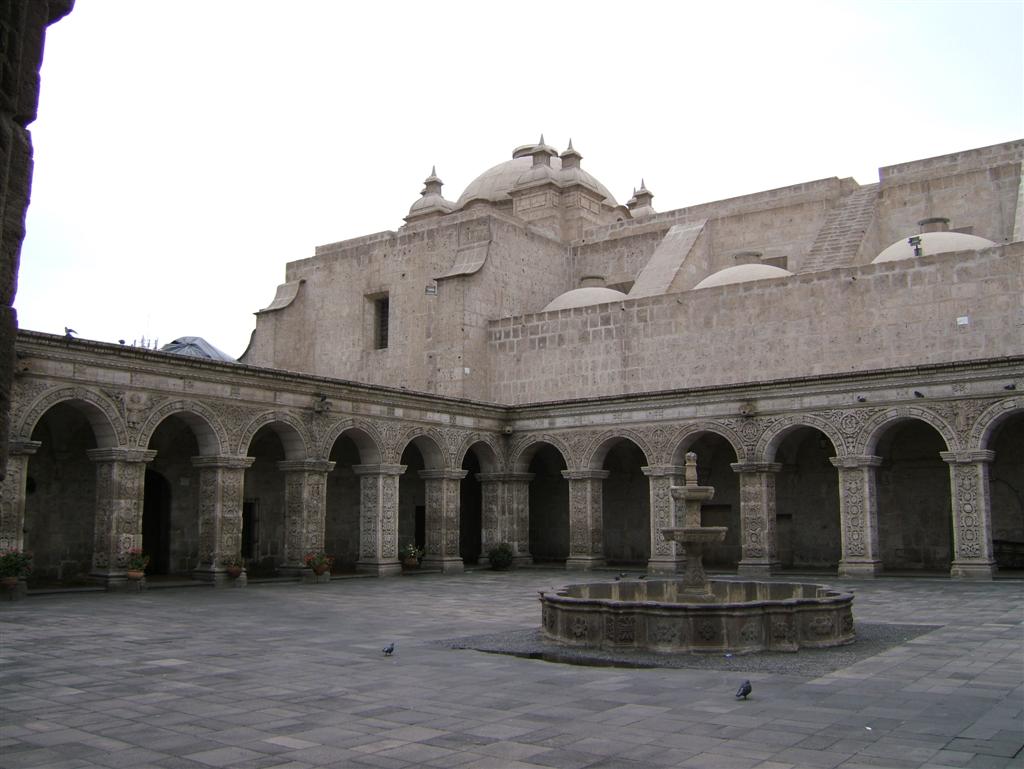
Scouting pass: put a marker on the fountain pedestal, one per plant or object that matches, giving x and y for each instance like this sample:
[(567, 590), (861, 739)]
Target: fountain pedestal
[(691, 536)]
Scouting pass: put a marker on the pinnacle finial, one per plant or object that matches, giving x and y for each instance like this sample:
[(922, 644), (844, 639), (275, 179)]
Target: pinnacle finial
[(570, 143), (433, 170), (541, 142)]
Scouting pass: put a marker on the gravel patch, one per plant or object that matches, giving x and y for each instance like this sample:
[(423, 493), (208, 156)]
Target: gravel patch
[(872, 638)]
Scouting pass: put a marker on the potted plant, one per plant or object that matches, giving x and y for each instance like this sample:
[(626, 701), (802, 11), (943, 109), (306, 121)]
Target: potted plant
[(136, 563), (14, 564), (410, 556), (500, 556), (319, 562), (233, 566)]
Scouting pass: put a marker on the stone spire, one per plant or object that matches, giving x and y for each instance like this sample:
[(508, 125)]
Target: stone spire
[(640, 204), (431, 202)]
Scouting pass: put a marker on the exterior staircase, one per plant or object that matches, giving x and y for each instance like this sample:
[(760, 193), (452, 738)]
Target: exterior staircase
[(840, 237)]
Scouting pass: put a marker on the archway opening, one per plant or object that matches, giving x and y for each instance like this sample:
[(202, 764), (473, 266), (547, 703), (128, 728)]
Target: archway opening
[(263, 514), (914, 510), (341, 522), (412, 500), (715, 456), (626, 506), (1006, 489), (170, 511), (807, 502), (549, 506), (470, 511), (60, 498)]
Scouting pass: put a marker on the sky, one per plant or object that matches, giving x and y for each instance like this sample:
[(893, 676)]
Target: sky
[(186, 151)]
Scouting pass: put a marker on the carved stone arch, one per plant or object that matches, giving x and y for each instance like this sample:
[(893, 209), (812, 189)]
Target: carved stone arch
[(368, 440), (104, 416), (595, 453), (429, 441), (990, 419), (296, 441), (680, 445), (211, 436), (871, 433), (769, 443), (519, 458), (489, 463)]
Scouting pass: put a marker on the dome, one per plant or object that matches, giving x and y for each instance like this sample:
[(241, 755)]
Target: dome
[(933, 243), (584, 297), (196, 347), (743, 273), (494, 183)]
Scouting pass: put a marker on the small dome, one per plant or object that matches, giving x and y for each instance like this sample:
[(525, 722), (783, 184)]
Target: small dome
[(743, 273), (494, 183), (584, 297), (933, 243), (196, 347)]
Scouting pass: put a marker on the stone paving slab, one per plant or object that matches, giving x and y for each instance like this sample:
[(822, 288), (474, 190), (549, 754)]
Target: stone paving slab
[(290, 676)]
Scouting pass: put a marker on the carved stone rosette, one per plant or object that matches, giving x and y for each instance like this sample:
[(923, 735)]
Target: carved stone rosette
[(665, 556), (378, 518), (305, 507), (221, 480), (120, 475), (442, 519), (586, 523), (757, 517), (972, 513), (12, 494), (858, 515)]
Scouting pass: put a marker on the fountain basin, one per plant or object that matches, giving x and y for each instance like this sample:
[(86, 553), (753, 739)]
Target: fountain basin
[(657, 615)]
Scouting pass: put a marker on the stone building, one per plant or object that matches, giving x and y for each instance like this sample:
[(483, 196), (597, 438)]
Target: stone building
[(530, 362)]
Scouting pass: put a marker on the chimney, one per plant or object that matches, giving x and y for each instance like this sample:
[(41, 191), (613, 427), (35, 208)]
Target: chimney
[(934, 224)]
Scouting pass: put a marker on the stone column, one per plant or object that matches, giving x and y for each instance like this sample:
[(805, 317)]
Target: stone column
[(972, 513), (221, 480), (442, 519), (378, 519), (858, 515), (12, 494), (586, 522), (120, 479), (517, 506), (757, 517), (665, 556), (305, 510), (494, 523)]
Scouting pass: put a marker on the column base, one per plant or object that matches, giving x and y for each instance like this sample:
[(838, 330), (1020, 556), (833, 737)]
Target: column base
[(757, 568), (666, 565), (522, 560), (310, 577), (584, 562), (379, 568), (446, 565), (860, 569), (972, 570)]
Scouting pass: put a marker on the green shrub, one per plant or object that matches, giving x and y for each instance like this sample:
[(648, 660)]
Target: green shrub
[(500, 556)]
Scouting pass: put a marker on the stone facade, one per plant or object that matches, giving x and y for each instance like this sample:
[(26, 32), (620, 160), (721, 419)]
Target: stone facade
[(854, 412)]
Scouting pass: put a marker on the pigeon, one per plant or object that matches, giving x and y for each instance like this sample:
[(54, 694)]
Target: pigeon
[(68, 332), (744, 691), (389, 649)]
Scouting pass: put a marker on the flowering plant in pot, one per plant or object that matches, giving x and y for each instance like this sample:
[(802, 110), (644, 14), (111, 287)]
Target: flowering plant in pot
[(319, 562), (232, 565), (136, 562), (14, 564), (410, 555)]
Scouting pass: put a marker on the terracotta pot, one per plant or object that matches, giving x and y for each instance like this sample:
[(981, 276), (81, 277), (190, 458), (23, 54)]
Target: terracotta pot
[(411, 563), (136, 574), (234, 571), (318, 570)]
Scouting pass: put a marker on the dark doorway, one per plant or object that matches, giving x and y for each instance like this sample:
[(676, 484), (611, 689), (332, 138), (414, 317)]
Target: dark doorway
[(156, 523)]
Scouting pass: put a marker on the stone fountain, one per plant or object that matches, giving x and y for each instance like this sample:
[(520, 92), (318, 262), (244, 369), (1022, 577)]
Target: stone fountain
[(694, 614)]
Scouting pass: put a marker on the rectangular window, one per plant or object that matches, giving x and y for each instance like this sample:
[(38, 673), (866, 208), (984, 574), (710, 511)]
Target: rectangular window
[(381, 310)]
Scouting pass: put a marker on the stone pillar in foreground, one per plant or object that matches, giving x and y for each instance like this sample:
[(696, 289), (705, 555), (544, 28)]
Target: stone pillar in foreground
[(972, 513), (120, 484), (442, 519), (378, 519), (305, 510), (858, 515), (12, 494), (517, 501), (665, 555), (757, 517), (221, 481), (586, 518)]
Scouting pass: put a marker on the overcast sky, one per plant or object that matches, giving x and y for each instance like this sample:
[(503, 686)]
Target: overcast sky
[(185, 151)]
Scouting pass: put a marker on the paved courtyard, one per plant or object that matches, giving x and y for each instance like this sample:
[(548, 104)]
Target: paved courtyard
[(291, 676)]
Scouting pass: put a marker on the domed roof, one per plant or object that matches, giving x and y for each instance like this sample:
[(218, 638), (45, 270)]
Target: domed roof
[(196, 347), (933, 243), (494, 183), (743, 273), (583, 297)]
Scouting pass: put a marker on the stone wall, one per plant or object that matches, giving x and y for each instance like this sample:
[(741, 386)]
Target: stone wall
[(856, 319)]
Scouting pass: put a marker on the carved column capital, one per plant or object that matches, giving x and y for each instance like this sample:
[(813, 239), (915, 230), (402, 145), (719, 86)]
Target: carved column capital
[(507, 477), (305, 466), (756, 467), (443, 475), (969, 457), (657, 471), (378, 469), (23, 448), (853, 461), (225, 461), (121, 455), (585, 474)]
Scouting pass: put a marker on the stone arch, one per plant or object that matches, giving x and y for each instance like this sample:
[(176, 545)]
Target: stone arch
[(867, 440), (430, 445), (103, 415), (294, 437), (595, 453), (364, 434), (521, 454), (689, 434), (768, 445), (487, 453), (206, 426), (990, 419)]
